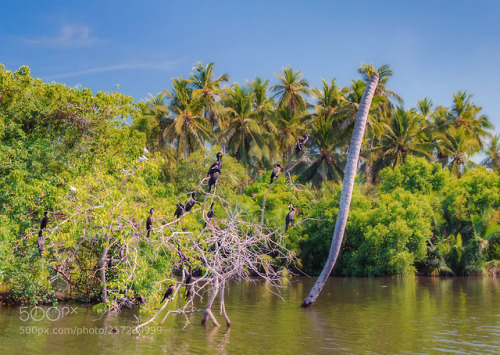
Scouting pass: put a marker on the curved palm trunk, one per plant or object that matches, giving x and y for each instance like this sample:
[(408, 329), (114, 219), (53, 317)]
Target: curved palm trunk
[(345, 198)]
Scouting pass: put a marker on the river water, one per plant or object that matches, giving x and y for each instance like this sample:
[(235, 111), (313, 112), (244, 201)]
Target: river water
[(352, 315)]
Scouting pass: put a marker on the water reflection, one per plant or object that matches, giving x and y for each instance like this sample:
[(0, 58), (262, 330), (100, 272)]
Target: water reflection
[(412, 315)]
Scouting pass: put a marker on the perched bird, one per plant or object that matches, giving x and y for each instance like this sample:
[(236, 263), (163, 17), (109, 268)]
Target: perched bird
[(72, 188), (191, 202), (120, 253), (41, 243), (275, 172), (141, 159), (189, 293), (213, 179), (110, 262), (146, 151), (179, 211), (301, 143), (182, 255), (45, 220), (217, 165), (210, 213), (126, 171), (290, 216), (168, 293), (189, 276), (149, 221)]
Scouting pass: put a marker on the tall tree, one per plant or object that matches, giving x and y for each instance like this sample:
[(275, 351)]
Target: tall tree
[(455, 147), (291, 90), (327, 152), (492, 159), (207, 87), (186, 129), (329, 99), (348, 184), (404, 135), (242, 130)]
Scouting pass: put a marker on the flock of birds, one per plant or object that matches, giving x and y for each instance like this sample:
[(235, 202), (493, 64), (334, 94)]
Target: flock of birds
[(213, 175)]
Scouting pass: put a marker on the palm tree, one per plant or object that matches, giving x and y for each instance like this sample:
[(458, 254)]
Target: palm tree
[(207, 88), (455, 147), (291, 90), (329, 98), (345, 116), (345, 198), (261, 103), (289, 126), (385, 73), (159, 110), (329, 158), (186, 129), (405, 134), (466, 115), (243, 134), (492, 159)]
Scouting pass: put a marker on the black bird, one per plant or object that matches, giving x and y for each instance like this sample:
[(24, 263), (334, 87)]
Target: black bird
[(213, 179), (182, 256), (191, 202), (217, 165), (179, 211), (168, 293), (189, 293), (120, 253), (45, 220), (41, 243), (301, 143), (189, 276), (290, 216), (110, 262), (275, 172), (149, 222), (210, 213)]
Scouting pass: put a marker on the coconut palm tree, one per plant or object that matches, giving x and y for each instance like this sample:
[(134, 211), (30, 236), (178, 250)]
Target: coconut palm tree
[(206, 87), (455, 147), (187, 129), (492, 159), (328, 154), (243, 134), (159, 109), (290, 125), (291, 90), (329, 99), (385, 73), (348, 184), (262, 104), (404, 135)]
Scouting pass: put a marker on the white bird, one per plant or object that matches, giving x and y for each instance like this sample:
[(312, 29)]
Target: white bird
[(146, 151), (72, 188), (126, 171), (142, 158)]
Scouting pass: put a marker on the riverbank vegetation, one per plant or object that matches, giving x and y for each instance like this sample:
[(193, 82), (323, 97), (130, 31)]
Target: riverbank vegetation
[(421, 205)]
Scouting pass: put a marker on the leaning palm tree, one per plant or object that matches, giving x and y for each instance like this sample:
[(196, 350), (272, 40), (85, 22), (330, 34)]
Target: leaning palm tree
[(345, 198), (206, 87), (403, 136), (291, 90), (492, 159), (187, 129)]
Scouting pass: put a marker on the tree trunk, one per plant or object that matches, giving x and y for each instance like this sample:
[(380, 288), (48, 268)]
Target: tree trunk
[(348, 183), (207, 312)]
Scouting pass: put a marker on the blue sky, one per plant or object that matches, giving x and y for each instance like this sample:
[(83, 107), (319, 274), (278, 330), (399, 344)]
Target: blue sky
[(434, 47)]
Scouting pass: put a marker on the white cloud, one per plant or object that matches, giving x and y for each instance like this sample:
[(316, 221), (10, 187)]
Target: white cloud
[(160, 66), (69, 36)]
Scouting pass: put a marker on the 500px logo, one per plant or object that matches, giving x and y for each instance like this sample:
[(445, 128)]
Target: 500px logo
[(52, 313)]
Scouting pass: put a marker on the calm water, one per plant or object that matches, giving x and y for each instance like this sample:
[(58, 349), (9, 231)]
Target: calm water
[(416, 316)]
